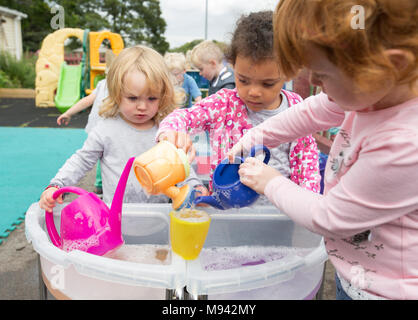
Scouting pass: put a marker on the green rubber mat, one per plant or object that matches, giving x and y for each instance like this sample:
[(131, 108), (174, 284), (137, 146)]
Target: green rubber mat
[(29, 159)]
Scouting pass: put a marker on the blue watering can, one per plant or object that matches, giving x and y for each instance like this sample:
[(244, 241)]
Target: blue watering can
[(228, 191)]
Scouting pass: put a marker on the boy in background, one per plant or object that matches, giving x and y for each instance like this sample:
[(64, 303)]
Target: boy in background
[(208, 58)]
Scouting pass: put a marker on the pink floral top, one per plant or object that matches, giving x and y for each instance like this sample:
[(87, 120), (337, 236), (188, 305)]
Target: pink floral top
[(224, 116)]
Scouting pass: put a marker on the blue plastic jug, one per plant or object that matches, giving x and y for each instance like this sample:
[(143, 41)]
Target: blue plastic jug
[(228, 191)]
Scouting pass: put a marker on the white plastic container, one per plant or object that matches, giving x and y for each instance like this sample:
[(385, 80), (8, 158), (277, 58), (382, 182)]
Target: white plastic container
[(297, 274), (78, 275)]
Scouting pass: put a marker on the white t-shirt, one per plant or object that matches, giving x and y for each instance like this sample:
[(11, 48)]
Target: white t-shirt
[(101, 93)]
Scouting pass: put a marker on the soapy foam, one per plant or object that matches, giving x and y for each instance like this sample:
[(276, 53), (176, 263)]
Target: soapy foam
[(81, 244), (224, 258), (145, 253), (191, 215)]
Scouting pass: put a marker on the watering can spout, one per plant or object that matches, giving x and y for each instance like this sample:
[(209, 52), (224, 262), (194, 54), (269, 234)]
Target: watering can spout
[(210, 201), (115, 218)]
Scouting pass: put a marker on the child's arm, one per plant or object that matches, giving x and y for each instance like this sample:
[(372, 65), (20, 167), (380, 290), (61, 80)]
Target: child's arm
[(379, 187), (46, 202), (176, 126), (79, 106), (195, 91), (314, 114), (304, 164), (74, 169)]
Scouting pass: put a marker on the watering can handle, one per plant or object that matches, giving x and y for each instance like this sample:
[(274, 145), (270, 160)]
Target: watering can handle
[(49, 217), (259, 147)]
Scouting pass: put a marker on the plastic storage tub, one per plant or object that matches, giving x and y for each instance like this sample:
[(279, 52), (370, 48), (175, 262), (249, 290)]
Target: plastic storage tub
[(257, 253), (78, 275), (263, 230)]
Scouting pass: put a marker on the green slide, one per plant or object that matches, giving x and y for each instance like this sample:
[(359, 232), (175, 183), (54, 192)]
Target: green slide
[(69, 86)]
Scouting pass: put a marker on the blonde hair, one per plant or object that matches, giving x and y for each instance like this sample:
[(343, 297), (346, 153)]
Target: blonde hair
[(151, 64), (205, 51), (359, 53), (175, 61)]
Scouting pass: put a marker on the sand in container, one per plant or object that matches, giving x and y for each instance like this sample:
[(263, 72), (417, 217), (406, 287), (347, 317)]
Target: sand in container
[(188, 231), (142, 253)]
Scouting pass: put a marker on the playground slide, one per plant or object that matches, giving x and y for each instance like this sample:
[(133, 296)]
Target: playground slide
[(69, 86)]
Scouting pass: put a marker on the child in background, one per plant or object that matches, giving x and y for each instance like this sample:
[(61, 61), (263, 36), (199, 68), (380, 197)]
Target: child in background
[(208, 58), (100, 92), (228, 114), (369, 212), (176, 63), (96, 99), (140, 96)]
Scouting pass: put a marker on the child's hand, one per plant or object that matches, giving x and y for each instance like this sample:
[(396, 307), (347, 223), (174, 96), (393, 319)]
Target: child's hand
[(256, 174), (200, 192), (47, 202), (237, 149), (181, 140), (64, 119)]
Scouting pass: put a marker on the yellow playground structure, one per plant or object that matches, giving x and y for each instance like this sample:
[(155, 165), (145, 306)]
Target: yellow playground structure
[(61, 85)]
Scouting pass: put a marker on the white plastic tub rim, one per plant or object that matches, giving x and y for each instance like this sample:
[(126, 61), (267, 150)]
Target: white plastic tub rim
[(131, 273), (201, 282), (180, 273)]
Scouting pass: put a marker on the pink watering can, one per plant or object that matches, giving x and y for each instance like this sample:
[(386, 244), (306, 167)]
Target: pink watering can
[(87, 224)]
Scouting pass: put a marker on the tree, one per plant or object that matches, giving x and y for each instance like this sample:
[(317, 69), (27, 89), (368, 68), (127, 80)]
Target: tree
[(187, 46), (35, 27), (191, 44), (83, 14), (137, 21)]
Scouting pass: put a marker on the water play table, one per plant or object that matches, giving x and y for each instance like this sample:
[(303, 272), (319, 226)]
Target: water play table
[(269, 258)]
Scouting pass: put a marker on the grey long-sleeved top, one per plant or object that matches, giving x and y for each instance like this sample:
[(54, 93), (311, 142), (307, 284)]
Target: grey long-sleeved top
[(113, 142)]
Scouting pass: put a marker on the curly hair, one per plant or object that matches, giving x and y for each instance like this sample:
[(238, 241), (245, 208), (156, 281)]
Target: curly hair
[(253, 37)]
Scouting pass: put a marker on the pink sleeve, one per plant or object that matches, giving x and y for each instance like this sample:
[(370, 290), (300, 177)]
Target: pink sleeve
[(192, 119), (364, 197), (177, 120), (304, 164), (314, 114)]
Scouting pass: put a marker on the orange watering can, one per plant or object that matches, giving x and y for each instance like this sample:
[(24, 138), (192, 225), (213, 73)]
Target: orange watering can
[(160, 168)]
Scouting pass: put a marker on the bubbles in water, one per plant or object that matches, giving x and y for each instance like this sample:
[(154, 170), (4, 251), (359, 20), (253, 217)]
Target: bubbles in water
[(81, 244), (224, 258), (144, 253)]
